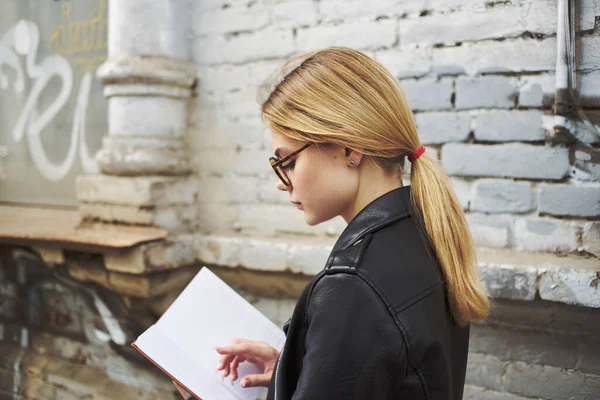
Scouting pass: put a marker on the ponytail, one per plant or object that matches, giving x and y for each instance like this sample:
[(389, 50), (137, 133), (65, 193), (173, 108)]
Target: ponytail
[(444, 222)]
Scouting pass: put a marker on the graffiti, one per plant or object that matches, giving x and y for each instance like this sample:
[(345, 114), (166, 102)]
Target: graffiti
[(71, 38), (22, 40)]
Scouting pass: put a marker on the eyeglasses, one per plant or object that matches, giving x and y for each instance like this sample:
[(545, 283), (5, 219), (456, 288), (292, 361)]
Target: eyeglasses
[(280, 169)]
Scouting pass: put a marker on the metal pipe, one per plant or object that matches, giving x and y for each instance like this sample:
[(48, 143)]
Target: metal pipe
[(561, 100)]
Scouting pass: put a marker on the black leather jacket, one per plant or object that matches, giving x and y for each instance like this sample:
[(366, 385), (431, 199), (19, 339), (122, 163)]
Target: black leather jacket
[(375, 323)]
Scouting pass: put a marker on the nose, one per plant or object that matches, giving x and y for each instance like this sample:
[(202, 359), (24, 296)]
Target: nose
[(282, 187)]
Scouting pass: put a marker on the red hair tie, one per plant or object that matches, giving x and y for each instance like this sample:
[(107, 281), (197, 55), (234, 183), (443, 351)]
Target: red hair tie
[(416, 154)]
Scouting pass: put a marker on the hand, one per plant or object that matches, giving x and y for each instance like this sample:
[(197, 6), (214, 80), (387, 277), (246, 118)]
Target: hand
[(258, 353), (184, 393)]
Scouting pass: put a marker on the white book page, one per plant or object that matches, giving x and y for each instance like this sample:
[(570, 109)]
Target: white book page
[(207, 314)]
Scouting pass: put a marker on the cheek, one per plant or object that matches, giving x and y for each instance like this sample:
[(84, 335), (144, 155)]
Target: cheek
[(326, 189)]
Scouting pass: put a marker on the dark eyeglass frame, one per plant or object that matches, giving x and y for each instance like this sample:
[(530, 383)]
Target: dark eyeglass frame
[(277, 163)]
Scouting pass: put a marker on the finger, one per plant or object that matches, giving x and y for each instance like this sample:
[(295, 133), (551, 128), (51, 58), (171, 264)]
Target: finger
[(258, 350), (224, 360), (256, 380), (227, 370), (234, 368)]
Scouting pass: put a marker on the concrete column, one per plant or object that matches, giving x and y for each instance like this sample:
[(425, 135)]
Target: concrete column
[(148, 81)]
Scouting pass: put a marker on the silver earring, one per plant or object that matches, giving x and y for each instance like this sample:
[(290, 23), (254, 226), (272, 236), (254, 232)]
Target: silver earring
[(351, 163)]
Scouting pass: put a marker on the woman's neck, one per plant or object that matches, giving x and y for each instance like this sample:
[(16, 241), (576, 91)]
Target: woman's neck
[(373, 183)]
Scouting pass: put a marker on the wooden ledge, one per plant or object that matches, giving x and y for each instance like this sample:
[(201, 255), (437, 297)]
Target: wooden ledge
[(56, 228)]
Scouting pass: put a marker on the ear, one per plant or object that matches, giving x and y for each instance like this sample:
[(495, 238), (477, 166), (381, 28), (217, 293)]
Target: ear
[(353, 155)]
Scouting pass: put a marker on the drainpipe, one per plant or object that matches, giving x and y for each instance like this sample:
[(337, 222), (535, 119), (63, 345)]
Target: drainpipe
[(562, 97)]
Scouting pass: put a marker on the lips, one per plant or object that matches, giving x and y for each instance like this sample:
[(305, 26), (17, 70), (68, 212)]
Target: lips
[(297, 204)]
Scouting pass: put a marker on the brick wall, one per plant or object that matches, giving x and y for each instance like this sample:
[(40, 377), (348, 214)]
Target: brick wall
[(479, 76)]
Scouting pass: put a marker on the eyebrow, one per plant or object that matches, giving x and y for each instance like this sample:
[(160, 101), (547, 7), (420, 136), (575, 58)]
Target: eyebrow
[(278, 151)]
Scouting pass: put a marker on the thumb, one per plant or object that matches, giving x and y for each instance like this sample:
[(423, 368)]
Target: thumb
[(256, 380)]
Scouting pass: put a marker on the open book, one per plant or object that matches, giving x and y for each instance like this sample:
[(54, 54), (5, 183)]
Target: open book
[(207, 313)]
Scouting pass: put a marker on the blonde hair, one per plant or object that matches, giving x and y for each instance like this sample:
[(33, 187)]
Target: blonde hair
[(341, 96)]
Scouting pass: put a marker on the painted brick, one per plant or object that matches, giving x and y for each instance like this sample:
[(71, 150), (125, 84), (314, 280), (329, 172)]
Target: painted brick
[(243, 162), (223, 78), (411, 62), (209, 133), (546, 235), (505, 126), (478, 393), (505, 160), (272, 219), (570, 286), (475, 25), (228, 190), (591, 238), (244, 47), (443, 127), (537, 90), (261, 70), (139, 191), (341, 9), (511, 55), (264, 255), (240, 104), (590, 53), (310, 259), (230, 19), (569, 200), (501, 196), (428, 94), (485, 371), (489, 231), (462, 190), (509, 282), (551, 382), (486, 92), (514, 343), (351, 34), (294, 13)]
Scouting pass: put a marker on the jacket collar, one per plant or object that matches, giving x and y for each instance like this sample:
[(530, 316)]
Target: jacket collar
[(384, 210)]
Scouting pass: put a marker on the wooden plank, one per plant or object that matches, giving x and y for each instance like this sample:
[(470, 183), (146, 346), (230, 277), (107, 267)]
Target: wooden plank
[(62, 228)]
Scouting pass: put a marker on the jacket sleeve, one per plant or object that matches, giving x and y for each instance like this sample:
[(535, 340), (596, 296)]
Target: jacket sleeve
[(354, 350)]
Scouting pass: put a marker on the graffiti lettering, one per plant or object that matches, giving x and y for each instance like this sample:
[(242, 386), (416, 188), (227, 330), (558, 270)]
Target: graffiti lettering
[(23, 40)]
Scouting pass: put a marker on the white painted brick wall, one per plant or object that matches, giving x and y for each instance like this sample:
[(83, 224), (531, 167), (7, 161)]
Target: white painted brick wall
[(470, 101), (503, 21), (359, 34), (581, 201), (502, 196), (231, 19), (511, 55), (486, 92), (507, 126), (505, 160), (244, 47), (429, 94), (349, 9), (294, 13), (591, 238), (545, 234), (408, 62), (489, 231), (443, 127)]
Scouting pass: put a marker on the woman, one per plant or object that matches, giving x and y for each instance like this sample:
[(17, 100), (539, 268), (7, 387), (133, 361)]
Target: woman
[(388, 317)]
